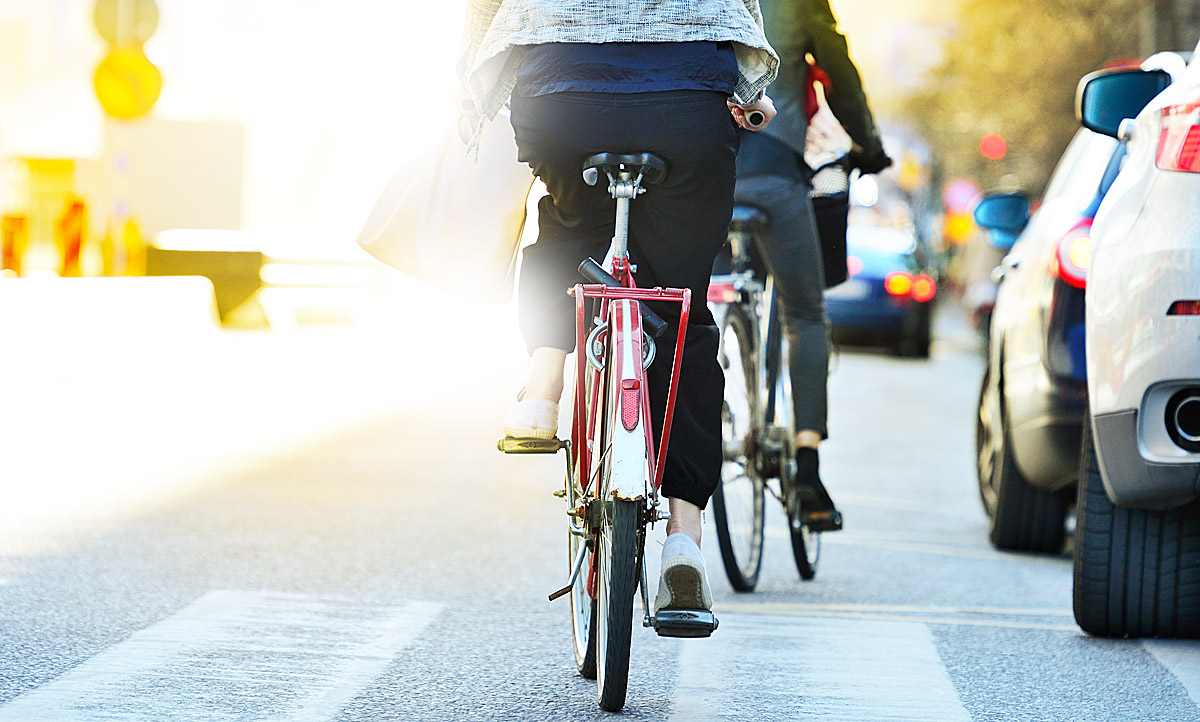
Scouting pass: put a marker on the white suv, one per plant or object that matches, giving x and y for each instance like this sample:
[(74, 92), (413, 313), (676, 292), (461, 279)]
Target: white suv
[(1137, 560)]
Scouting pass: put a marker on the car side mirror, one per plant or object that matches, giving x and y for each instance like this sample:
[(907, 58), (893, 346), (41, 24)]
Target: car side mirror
[(1005, 215), (1107, 97)]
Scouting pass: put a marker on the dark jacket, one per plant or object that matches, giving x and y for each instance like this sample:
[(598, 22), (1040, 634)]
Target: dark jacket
[(796, 28)]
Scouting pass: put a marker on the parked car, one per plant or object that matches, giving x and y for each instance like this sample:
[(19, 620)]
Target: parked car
[(1137, 562), (1033, 397), (888, 298)]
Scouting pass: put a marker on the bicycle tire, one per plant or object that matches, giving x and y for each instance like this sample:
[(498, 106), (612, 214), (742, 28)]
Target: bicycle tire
[(617, 584), (806, 544), (583, 606), (739, 500)]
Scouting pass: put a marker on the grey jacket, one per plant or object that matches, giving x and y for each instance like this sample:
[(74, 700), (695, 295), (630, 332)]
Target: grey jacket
[(796, 28), (499, 29)]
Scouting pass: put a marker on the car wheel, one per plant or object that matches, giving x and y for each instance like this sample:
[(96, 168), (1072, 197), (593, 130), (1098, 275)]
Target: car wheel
[(914, 339), (1137, 571), (1023, 517)]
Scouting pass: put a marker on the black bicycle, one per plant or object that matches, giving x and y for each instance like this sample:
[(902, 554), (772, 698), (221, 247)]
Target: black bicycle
[(758, 428)]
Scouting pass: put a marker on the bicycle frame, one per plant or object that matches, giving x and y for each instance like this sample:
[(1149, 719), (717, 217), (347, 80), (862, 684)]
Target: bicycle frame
[(624, 331)]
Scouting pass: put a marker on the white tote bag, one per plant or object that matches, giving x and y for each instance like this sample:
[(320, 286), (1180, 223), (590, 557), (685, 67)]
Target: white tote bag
[(453, 221)]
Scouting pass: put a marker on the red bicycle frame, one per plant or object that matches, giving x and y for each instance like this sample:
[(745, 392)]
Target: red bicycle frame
[(635, 399)]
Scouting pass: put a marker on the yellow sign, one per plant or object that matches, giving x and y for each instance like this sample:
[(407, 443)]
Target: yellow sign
[(957, 228), (127, 83), (126, 22)]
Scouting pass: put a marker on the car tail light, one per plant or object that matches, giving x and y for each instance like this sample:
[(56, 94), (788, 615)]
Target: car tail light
[(924, 288), (1184, 308), (1179, 137), (1074, 254), (898, 283)]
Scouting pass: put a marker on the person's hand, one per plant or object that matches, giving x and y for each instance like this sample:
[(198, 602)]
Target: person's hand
[(868, 164), (764, 106), (468, 120)]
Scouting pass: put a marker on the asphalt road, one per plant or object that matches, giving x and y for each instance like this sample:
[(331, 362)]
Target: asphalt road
[(316, 526)]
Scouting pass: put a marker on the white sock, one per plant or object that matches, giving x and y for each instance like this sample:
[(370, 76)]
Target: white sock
[(680, 543)]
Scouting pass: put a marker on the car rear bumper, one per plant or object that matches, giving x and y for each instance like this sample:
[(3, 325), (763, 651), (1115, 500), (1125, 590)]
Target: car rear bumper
[(1046, 433), (1131, 479)]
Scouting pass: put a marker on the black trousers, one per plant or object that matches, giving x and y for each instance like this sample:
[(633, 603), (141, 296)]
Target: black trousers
[(791, 250), (675, 231)]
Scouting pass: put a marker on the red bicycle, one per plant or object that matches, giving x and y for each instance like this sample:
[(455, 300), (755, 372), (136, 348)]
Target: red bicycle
[(613, 464)]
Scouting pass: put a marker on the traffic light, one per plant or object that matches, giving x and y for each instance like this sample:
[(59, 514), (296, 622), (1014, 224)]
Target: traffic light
[(993, 146)]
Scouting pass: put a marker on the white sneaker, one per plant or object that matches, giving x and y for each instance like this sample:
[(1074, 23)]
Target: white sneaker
[(683, 583), (531, 419)]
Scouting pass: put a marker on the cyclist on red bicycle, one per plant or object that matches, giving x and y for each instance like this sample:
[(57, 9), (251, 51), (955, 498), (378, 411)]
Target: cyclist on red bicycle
[(611, 75)]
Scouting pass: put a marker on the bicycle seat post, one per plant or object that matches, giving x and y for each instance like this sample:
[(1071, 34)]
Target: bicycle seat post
[(623, 187), (626, 174)]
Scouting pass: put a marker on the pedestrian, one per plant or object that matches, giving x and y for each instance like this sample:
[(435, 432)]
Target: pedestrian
[(772, 175), (672, 79)]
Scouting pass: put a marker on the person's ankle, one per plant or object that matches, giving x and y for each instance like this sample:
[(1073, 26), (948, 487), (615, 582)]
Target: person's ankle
[(545, 379), (548, 391)]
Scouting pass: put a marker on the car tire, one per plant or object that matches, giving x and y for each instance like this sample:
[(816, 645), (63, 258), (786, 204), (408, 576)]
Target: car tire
[(1023, 517), (914, 340), (1137, 571)]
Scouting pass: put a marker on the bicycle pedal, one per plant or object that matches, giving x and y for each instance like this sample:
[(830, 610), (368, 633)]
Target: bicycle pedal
[(514, 445), (685, 623), (823, 521)]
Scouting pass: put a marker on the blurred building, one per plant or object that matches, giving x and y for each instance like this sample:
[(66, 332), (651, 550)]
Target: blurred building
[(276, 116)]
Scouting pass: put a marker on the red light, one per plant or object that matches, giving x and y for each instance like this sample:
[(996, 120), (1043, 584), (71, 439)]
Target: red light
[(923, 289), (993, 146), (1179, 138), (1074, 255), (1184, 308), (898, 283), (722, 293), (854, 265)]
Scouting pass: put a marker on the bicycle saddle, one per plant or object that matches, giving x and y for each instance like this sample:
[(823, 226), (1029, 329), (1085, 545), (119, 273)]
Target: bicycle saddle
[(748, 219), (652, 167)]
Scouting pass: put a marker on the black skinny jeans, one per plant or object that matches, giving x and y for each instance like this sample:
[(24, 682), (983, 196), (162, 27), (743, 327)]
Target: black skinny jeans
[(675, 232), (792, 252)]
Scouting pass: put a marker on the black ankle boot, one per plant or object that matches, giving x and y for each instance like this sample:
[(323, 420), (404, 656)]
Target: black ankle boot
[(819, 512)]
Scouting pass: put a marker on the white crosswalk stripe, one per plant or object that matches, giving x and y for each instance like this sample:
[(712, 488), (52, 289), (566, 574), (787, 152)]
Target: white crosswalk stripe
[(233, 656), (1182, 658), (759, 667)]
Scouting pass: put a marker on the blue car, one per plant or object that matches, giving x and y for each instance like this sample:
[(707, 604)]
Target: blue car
[(888, 298)]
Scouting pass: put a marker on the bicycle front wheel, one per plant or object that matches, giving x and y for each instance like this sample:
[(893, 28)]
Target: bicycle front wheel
[(738, 502), (617, 583)]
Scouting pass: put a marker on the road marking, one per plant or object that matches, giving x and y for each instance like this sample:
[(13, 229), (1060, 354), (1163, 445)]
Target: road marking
[(231, 656), (1182, 658), (780, 667), (849, 498), (940, 549), (801, 608), (967, 621)]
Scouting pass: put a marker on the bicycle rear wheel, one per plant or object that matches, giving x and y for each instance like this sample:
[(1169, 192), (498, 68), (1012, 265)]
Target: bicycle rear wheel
[(739, 499), (618, 572), (806, 544), (583, 606)]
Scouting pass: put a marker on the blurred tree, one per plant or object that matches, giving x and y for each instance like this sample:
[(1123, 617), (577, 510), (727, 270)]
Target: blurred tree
[(1012, 68)]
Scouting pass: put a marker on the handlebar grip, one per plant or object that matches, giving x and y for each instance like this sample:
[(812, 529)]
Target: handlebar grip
[(756, 118), (651, 321)]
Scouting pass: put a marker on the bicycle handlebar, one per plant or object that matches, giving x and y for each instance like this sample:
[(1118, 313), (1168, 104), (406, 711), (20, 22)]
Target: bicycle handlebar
[(594, 272), (756, 118)]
